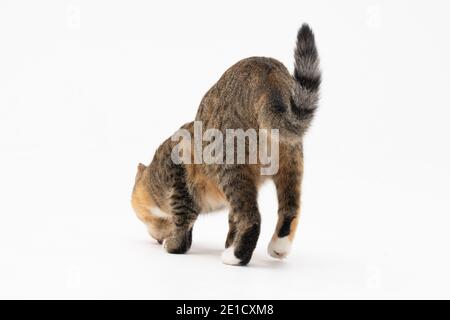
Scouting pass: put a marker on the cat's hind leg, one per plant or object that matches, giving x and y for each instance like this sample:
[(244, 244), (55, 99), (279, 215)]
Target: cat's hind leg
[(288, 185), (244, 219)]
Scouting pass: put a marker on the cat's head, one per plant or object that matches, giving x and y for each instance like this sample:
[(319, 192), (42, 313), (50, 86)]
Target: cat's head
[(159, 224)]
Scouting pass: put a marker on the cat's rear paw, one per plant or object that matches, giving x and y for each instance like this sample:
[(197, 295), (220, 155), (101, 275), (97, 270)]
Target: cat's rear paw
[(279, 248), (229, 258)]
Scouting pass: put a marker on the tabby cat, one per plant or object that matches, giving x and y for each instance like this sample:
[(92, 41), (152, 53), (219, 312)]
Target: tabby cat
[(255, 93)]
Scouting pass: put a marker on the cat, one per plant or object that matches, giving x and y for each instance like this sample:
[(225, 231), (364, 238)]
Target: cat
[(255, 93)]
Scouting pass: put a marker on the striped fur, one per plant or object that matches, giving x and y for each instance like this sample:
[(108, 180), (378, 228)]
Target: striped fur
[(255, 93)]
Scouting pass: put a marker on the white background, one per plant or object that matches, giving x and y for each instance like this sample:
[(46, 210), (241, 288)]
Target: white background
[(90, 88)]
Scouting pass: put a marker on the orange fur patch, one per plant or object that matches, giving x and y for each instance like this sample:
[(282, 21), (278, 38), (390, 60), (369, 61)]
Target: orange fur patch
[(211, 197), (142, 201), (293, 228)]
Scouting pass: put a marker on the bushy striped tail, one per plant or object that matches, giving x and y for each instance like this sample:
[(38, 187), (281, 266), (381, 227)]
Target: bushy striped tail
[(307, 72)]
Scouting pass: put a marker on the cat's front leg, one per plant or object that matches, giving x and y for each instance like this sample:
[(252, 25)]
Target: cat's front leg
[(179, 242), (184, 211)]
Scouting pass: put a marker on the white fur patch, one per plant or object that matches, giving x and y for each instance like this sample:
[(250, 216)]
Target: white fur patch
[(228, 257), (279, 247), (159, 213)]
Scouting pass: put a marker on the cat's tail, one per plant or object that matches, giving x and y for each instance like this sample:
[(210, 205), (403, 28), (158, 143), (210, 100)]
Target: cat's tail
[(307, 72)]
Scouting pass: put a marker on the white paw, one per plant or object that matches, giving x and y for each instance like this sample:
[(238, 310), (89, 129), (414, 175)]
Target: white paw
[(279, 247), (228, 257)]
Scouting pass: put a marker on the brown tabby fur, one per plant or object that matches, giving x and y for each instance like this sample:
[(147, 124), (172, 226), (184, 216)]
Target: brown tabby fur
[(254, 93)]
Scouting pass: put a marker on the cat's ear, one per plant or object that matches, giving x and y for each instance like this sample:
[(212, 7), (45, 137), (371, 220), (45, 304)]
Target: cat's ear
[(141, 167), (140, 171)]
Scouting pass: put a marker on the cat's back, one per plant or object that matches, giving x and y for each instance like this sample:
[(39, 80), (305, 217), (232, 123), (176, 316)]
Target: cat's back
[(240, 86), (251, 70)]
